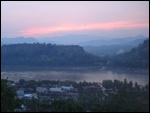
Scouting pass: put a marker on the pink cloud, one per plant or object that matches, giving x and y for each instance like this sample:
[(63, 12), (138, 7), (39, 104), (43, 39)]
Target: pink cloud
[(75, 27)]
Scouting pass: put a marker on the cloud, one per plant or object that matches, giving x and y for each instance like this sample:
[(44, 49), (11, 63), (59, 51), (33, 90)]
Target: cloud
[(83, 27)]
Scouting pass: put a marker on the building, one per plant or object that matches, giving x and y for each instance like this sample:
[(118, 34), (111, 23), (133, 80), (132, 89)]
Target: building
[(29, 96), (41, 90), (61, 89), (35, 95), (56, 89), (20, 92)]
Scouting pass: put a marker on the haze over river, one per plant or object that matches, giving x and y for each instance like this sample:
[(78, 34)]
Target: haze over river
[(90, 76)]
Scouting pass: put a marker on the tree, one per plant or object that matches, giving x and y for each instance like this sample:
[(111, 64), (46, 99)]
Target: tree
[(107, 84), (130, 84), (8, 97), (125, 101), (136, 58), (33, 105), (22, 81), (65, 106)]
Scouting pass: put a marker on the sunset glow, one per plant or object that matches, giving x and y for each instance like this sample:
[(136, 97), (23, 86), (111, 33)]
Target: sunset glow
[(48, 18), (72, 27)]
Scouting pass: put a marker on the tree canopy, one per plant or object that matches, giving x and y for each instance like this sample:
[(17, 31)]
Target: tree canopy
[(137, 58), (8, 99), (48, 55)]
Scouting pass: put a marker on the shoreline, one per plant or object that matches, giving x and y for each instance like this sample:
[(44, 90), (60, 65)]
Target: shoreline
[(73, 69), (130, 70)]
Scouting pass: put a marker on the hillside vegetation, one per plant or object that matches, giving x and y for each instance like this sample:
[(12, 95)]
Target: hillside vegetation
[(138, 57), (71, 55), (48, 55)]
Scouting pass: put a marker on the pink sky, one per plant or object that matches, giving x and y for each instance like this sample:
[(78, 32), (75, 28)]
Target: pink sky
[(44, 19), (74, 27)]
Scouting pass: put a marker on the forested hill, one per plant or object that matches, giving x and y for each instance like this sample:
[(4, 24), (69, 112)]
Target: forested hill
[(137, 58), (48, 55)]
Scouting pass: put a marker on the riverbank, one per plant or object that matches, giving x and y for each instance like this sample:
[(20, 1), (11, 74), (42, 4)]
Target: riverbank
[(129, 70), (74, 69)]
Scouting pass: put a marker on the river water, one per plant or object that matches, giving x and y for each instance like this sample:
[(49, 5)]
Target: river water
[(90, 76)]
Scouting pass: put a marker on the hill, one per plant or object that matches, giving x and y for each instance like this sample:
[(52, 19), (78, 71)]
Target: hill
[(138, 57), (48, 55), (107, 49)]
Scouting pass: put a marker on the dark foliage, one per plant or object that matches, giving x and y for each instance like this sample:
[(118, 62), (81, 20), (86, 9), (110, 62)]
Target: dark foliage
[(8, 99), (48, 55), (137, 58)]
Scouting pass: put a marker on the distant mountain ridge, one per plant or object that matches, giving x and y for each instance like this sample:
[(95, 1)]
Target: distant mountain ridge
[(133, 41), (82, 40), (71, 39), (18, 40), (111, 47)]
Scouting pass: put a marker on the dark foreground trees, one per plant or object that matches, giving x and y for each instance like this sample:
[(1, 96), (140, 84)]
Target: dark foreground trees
[(8, 98), (65, 106), (118, 97), (125, 101)]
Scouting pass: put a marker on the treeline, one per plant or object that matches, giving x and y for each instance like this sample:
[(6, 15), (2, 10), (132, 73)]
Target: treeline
[(119, 96), (48, 55), (137, 58)]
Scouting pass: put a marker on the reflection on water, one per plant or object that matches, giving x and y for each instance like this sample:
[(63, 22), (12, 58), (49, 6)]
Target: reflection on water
[(77, 76)]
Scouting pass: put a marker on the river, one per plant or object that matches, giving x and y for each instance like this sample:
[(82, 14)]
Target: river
[(90, 76)]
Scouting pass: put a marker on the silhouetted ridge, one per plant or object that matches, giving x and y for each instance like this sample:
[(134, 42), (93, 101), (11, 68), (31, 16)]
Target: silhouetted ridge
[(48, 55), (137, 58)]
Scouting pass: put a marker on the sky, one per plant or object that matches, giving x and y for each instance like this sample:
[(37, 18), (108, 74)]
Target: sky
[(55, 18)]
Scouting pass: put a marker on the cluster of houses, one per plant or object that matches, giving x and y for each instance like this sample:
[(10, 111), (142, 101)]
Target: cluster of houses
[(59, 89), (49, 92), (45, 93), (21, 94), (69, 90)]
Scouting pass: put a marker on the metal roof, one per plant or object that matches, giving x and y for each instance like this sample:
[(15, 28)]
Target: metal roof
[(56, 89), (28, 95)]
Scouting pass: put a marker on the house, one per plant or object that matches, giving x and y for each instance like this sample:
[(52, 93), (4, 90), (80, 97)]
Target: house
[(41, 89), (61, 89), (56, 89), (20, 92), (67, 88), (35, 95), (29, 96)]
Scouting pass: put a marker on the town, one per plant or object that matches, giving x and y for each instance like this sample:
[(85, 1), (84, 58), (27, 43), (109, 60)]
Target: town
[(49, 96)]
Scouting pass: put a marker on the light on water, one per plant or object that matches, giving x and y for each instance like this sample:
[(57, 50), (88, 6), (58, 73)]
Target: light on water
[(92, 76)]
